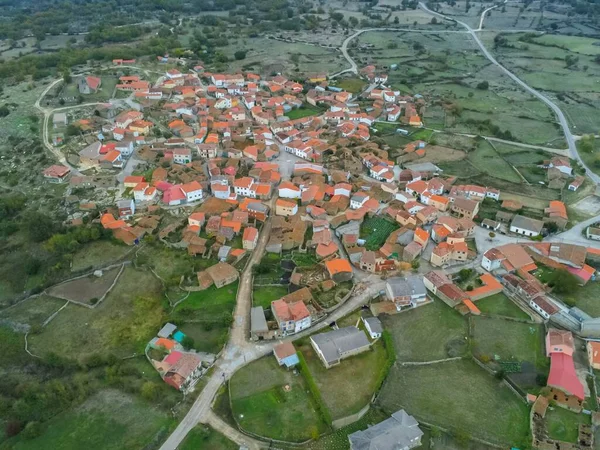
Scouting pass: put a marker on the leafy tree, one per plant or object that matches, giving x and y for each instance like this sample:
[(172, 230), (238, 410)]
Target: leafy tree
[(484, 85), (240, 54), (39, 226), (562, 281), (188, 343), (492, 235), (4, 111)]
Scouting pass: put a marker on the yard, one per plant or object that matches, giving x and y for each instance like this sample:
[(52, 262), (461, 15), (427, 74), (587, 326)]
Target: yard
[(205, 438), (427, 333), (458, 395), (122, 324), (375, 230), (304, 111), (354, 85), (109, 420), (330, 298), (98, 253), (339, 386), (87, 290), (269, 270), (500, 305), (563, 425), (264, 295), (273, 402), (587, 298)]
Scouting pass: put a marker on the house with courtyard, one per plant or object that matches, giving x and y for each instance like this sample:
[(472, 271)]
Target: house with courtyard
[(400, 432), (334, 346), (406, 292)]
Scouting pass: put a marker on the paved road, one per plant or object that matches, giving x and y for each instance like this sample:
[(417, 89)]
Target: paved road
[(559, 114)]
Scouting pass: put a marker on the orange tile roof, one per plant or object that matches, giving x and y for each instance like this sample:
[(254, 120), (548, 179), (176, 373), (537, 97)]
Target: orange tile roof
[(338, 265)]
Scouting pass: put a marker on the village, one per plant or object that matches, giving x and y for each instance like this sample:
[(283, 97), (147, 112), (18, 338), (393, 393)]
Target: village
[(277, 183)]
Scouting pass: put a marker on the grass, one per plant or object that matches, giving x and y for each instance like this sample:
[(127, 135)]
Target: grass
[(261, 405), (338, 385), (109, 420), (87, 289), (264, 295), (486, 159), (98, 253), (563, 425), (304, 111), (33, 311), (209, 304), (509, 341), (206, 438), (122, 324), (354, 85), (427, 333), (458, 395), (500, 305), (587, 298), (376, 230)]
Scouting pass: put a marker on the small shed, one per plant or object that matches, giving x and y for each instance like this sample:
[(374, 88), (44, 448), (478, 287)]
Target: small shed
[(285, 354), (167, 330)]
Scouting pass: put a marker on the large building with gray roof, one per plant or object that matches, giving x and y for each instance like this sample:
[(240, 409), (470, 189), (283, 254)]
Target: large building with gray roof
[(339, 344), (399, 432)]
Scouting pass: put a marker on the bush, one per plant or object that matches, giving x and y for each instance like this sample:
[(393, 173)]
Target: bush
[(314, 390), (32, 430), (484, 85)]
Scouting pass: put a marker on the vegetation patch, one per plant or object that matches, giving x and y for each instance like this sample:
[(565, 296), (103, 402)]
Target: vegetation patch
[(375, 230), (563, 425), (205, 438), (500, 305)]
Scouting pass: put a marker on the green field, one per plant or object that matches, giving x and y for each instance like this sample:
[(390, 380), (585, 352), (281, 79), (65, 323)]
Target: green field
[(500, 305), (98, 253), (354, 85), (376, 230), (262, 405), (33, 311), (563, 425), (339, 389), (264, 295), (122, 324), (486, 159), (109, 420), (587, 298), (205, 438), (458, 395), (427, 333), (506, 340), (305, 110)]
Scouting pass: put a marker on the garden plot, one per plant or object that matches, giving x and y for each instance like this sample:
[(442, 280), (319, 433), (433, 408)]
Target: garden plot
[(87, 290)]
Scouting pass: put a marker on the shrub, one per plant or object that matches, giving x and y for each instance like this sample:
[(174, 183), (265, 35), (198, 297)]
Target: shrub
[(314, 389)]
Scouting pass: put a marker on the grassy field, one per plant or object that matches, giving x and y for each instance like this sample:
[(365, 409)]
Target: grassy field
[(86, 290), (509, 341), (501, 305), (587, 298), (427, 333), (109, 420), (304, 111), (264, 295), (339, 389), (205, 438), (98, 253), (376, 230), (563, 425), (354, 85), (261, 405), (458, 395), (486, 159), (33, 311), (122, 324)]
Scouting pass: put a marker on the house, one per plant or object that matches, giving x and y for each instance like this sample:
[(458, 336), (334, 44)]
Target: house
[(197, 219), (358, 200), (182, 155), (285, 208), (399, 432), (373, 326), (526, 226), (56, 174), (576, 183), (184, 369), (285, 354), (132, 181), (90, 155), (222, 274), (289, 190), (447, 252), (560, 163), (291, 317), (334, 346), (593, 351), (192, 191), (339, 270), (126, 208), (259, 328), (409, 291), (465, 207), (250, 238), (560, 349), (59, 120), (89, 85)]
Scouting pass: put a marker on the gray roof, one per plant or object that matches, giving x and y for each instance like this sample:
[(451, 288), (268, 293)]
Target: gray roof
[(335, 343), (412, 285), (374, 324), (124, 203), (91, 151), (59, 117), (398, 432), (352, 227), (258, 323), (258, 206), (527, 223), (167, 330)]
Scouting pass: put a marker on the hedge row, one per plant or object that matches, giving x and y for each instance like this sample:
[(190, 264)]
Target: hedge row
[(314, 389), (388, 344)]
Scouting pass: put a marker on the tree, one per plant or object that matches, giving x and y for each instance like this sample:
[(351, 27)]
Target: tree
[(562, 281), (67, 78), (4, 111), (39, 226), (188, 343), (571, 60), (464, 274), (396, 20), (240, 54), (552, 227), (484, 85), (434, 21), (415, 265), (492, 235)]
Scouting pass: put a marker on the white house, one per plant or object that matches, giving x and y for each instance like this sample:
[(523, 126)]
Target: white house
[(221, 191), (244, 187), (343, 189), (491, 260), (592, 233), (143, 192), (182, 155), (358, 200), (493, 194), (289, 190), (373, 326), (561, 164), (125, 147), (192, 191), (526, 226)]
